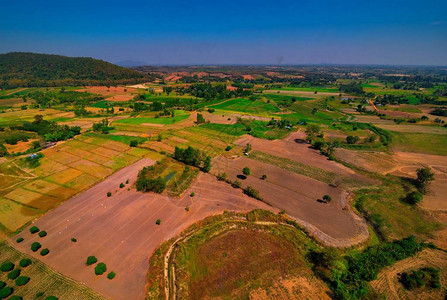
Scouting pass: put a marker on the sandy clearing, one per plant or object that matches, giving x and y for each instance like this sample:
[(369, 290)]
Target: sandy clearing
[(121, 230)]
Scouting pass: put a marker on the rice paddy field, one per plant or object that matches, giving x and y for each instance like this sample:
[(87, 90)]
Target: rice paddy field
[(256, 107), (179, 115)]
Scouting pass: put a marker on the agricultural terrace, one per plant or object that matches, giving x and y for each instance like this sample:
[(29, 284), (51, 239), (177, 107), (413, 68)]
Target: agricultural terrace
[(64, 171), (121, 229)]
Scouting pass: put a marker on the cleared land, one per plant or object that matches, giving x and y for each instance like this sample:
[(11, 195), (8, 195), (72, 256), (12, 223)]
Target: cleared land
[(298, 195), (120, 230), (43, 279)]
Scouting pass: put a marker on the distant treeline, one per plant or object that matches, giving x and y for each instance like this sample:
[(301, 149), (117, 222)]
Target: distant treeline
[(20, 69)]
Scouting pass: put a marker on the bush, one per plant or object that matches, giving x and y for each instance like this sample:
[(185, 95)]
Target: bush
[(250, 191), (327, 198), (6, 292), (228, 148), (192, 194), (350, 139), (144, 184), (413, 198), (25, 262), (42, 233), (264, 177), (7, 266), (100, 268), (158, 222), (34, 230), (44, 252), (35, 246), (15, 297), (22, 280), (133, 143), (121, 185), (222, 176), (111, 275), (20, 239), (236, 184), (74, 240), (424, 277), (246, 171), (51, 298), (91, 260), (14, 274)]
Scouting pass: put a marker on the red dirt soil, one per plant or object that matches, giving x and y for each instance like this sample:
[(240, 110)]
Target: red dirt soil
[(332, 223), (120, 230)]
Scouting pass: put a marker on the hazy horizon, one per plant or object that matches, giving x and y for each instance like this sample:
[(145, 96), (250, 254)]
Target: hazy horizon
[(410, 33)]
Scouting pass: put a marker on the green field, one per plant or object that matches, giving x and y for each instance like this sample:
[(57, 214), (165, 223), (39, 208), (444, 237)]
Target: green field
[(420, 142), (280, 99), (258, 129), (321, 89), (247, 106), (179, 115)]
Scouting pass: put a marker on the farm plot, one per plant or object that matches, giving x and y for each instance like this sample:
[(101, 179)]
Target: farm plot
[(121, 230), (43, 279), (65, 170), (179, 115), (246, 106), (295, 148), (298, 196)]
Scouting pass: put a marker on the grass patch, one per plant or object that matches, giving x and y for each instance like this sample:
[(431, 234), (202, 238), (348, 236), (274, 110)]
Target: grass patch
[(179, 115), (420, 142), (247, 106)]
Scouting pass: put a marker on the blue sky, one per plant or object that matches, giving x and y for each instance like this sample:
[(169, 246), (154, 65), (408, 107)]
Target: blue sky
[(231, 32)]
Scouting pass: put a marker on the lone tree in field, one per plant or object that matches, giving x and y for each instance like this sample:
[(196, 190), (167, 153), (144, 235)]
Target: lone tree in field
[(206, 164), (246, 171), (312, 131), (425, 176), (200, 119), (327, 198)]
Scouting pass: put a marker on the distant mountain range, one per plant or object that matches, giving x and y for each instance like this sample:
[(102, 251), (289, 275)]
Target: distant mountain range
[(32, 69), (131, 63)]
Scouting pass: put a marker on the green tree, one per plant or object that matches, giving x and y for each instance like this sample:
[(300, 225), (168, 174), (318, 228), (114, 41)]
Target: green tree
[(424, 177), (246, 171), (207, 164)]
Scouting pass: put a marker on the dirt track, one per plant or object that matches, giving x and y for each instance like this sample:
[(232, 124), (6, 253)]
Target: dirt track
[(121, 231)]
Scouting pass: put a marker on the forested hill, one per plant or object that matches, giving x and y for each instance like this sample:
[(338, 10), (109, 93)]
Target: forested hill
[(32, 69)]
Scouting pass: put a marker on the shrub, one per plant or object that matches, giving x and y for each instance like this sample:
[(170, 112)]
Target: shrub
[(121, 185), (413, 198), (250, 191), (144, 184), (6, 292), (42, 233), (100, 268), (424, 277), (39, 294), (133, 143), (228, 148), (111, 275), (351, 139), (15, 297), (236, 184), (74, 240), (20, 239), (246, 171), (192, 194), (109, 194), (222, 176), (127, 181), (7, 266), (35, 246), (327, 198), (187, 208), (22, 280), (25, 262), (51, 298), (264, 177), (34, 230), (14, 274), (44, 252), (91, 260), (158, 222)]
